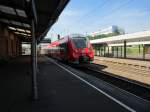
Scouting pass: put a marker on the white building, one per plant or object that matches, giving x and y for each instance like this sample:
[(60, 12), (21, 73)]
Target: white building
[(108, 30)]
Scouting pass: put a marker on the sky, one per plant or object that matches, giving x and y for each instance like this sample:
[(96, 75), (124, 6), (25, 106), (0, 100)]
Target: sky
[(86, 16)]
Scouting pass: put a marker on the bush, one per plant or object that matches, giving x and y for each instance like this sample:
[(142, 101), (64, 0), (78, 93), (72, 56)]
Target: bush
[(103, 36)]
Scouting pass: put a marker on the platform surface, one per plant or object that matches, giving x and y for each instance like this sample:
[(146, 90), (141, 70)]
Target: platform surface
[(59, 91)]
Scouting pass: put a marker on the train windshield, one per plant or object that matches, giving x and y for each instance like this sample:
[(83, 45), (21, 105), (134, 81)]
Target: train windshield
[(80, 42)]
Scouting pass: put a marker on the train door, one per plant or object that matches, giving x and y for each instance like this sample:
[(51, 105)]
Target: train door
[(63, 51)]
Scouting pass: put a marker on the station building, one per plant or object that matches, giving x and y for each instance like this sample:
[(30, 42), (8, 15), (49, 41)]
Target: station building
[(10, 43), (26, 21), (135, 45)]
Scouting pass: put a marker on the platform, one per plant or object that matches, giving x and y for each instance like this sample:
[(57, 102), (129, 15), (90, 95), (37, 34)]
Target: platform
[(136, 70), (59, 91)]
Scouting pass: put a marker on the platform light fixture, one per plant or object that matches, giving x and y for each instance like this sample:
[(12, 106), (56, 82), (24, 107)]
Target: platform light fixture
[(28, 0), (11, 28), (28, 31), (21, 30), (20, 33)]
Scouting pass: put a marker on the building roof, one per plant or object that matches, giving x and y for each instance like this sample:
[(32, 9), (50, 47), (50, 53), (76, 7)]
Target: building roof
[(110, 29), (134, 37), (17, 15)]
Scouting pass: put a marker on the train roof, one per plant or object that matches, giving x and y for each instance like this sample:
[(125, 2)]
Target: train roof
[(63, 39), (76, 35)]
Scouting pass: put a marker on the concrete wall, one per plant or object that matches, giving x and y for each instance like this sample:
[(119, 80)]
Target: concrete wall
[(9, 43)]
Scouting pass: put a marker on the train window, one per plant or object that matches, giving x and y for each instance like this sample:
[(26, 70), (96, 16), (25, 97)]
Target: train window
[(80, 42), (63, 47)]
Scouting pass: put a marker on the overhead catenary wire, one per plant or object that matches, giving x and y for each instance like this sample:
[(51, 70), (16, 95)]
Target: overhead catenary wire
[(112, 11), (101, 5), (117, 8)]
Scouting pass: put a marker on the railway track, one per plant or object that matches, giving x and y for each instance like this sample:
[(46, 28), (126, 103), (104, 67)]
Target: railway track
[(133, 87)]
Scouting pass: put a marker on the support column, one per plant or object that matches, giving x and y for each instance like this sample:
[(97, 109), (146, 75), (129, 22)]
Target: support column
[(99, 50), (125, 47), (34, 63), (121, 51), (117, 51), (104, 50), (143, 52), (112, 51), (95, 50), (108, 51), (139, 49)]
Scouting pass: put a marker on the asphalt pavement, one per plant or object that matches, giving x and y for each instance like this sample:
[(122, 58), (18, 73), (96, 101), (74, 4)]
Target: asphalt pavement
[(59, 90)]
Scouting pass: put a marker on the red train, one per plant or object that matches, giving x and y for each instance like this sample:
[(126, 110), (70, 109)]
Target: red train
[(73, 48)]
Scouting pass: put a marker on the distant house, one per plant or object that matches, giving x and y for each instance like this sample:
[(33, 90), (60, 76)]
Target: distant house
[(43, 46)]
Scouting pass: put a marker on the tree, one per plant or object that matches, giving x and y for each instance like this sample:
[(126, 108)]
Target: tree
[(118, 31)]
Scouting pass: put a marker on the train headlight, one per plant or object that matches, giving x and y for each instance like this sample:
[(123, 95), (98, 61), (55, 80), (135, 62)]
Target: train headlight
[(75, 50)]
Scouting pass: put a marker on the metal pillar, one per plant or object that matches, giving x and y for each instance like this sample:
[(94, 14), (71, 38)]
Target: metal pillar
[(99, 50), (117, 51), (121, 51), (112, 51), (143, 52), (34, 63), (108, 51), (125, 47), (114, 48), (95, 50), (104, 50), (139, 49)]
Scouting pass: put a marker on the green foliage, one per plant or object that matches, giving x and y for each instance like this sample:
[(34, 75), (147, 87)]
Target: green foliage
[(103, 36), (117, 32)]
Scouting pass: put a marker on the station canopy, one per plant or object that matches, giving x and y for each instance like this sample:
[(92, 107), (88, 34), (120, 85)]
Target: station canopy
[(17, 15), (142, 37)]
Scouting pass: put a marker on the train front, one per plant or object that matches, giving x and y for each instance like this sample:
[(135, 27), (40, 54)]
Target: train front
[(82, 50)]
